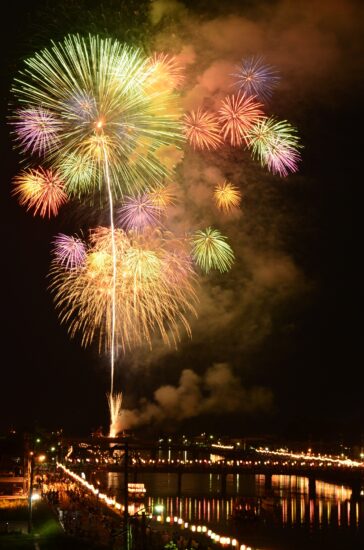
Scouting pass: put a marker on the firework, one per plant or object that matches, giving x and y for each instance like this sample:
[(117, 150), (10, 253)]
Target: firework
[(40, 190), (69, 251), (79, 173), (115, 401), (94, 96), (275, 144), (211, 251), (138, 213), (238, 114), (37, 130), (164, 71), (161, 197), (147, 300), (202, 130), (255, 78), (227, 196)]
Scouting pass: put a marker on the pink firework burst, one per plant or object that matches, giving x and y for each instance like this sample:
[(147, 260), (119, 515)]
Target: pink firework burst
[(165, 70), (138, 213), (238, 114), (37, 130), (281, 158), (41, 190), (69, 251), (202, 129)]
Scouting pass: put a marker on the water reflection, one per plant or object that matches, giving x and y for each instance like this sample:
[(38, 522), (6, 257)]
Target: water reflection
[(287, 503)]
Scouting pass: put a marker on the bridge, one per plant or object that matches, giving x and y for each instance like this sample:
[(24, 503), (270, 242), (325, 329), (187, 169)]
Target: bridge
[(108, 454)]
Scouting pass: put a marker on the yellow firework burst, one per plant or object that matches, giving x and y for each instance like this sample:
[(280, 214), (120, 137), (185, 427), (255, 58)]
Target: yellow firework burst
[(227, 196)]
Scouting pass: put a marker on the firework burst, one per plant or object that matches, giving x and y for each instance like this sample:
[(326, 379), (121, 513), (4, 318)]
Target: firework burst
[(40, 190), (93, 95), (36, 130), (138, 213), (255, 78), (276, 145), (202, 129), (227, 196), (165, 72), (238, 113), (211, 251), (161, 197), (147, 298), (70, 251)]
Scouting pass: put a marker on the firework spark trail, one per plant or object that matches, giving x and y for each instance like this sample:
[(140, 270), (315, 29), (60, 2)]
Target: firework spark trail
[(114, 273), (147, 297), (102, 116), (115, 402)]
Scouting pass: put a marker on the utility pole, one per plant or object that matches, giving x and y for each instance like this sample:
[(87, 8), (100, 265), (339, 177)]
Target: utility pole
[(30, 491), (126, 496)]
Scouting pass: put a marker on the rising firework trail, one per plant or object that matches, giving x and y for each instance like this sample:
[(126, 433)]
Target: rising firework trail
[(95, 111), (99, 117), (115, 401)]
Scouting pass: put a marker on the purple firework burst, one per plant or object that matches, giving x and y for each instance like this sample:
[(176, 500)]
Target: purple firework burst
[(69, 251), (138, 213), (256, 78), (37, 129), (281, 158)]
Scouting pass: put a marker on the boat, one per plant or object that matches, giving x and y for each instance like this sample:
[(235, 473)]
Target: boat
[(136, 491)]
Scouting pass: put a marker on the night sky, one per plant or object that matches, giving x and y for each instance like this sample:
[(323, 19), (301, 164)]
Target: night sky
[(284, 323)]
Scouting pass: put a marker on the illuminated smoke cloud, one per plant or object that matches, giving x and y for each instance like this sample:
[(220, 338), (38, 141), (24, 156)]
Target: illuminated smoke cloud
[(217, 391)]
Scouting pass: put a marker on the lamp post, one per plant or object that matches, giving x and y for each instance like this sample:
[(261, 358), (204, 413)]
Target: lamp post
[(30, 490), (31, 465), (126, 496)]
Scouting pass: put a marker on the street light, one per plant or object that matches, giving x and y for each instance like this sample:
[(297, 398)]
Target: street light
[(31, 497)]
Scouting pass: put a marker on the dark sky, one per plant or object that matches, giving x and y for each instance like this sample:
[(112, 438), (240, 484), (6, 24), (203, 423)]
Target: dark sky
[(292, 301)]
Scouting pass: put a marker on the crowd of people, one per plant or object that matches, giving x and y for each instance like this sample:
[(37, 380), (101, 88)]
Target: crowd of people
[(82, 515)]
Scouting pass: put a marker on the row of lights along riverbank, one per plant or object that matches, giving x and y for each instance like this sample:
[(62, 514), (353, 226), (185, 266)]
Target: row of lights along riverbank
[(200, 529)]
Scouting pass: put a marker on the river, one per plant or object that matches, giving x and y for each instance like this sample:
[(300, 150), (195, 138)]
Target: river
[(284, 519)]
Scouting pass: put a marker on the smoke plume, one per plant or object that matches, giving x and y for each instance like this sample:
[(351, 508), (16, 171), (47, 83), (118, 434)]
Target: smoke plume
[(217, 391)]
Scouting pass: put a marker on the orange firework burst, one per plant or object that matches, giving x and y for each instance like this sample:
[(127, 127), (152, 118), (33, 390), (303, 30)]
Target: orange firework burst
[(41, 190), (227, 196), (162, 197), (155, 288), (202, 129), (238, 114), (165, 71)]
